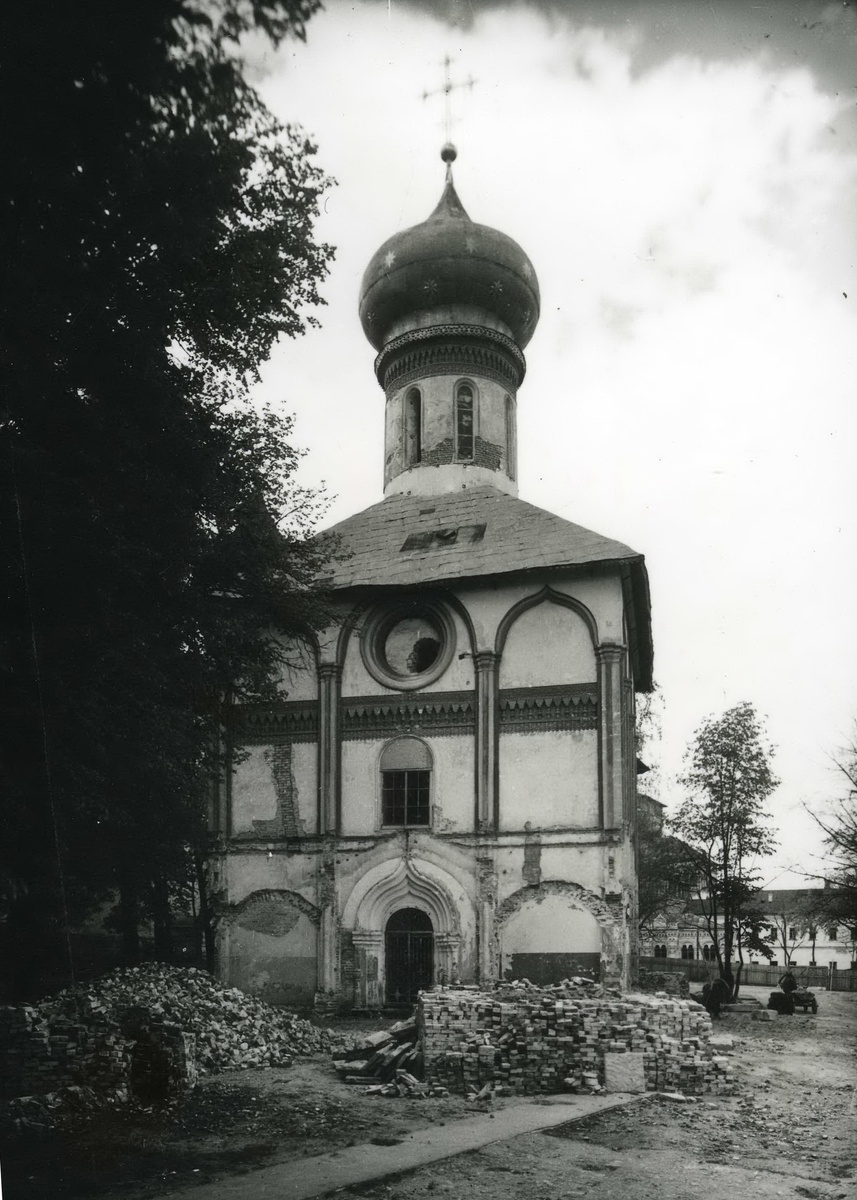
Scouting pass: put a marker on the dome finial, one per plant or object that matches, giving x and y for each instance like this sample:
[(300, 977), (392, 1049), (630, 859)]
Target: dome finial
[(449, 154)]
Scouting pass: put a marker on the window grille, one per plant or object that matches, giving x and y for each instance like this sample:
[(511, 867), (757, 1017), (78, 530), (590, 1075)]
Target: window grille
[(464, 422), (405, 797)]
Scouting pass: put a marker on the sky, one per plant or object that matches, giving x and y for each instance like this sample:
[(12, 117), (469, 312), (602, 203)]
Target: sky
[(683, 177)]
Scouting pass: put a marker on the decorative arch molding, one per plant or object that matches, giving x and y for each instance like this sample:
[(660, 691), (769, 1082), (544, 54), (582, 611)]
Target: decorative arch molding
[(402, 884), (579, 897), (231, 912), (355, 616), (547, 595)]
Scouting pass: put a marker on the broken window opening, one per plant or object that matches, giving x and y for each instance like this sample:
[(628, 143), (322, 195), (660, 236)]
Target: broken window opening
[(429, 538), (423, 655), (412, 646)]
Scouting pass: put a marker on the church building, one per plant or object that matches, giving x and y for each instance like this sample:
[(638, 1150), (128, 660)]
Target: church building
[(446, 791)]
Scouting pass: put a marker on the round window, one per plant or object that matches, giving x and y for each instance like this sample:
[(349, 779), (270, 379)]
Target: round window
[(408, 646)]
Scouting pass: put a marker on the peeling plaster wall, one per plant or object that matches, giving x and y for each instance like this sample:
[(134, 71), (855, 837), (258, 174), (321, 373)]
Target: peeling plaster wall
[(269, 868), (274, 791), (272, 950), (549, 779), (549, 939)]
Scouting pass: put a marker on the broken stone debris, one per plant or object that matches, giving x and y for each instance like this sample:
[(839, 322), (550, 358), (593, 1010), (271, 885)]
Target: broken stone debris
[(528, 1042), (387, 1063), (138, 1034), (232, 1030)]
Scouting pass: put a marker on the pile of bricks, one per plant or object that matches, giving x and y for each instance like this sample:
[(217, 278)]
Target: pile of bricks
[(41, 1055), (532, 1042)]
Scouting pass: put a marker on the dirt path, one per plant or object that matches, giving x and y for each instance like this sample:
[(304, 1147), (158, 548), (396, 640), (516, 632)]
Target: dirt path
[(792, 1131)]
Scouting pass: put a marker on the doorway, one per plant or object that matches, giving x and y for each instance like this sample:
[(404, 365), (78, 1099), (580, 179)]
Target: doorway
[(409, 952)]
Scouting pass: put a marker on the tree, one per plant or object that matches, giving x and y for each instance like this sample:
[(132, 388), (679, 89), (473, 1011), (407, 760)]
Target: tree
[(837, 902), (157, 239), (728, 778), (790, 930), (667, 871)]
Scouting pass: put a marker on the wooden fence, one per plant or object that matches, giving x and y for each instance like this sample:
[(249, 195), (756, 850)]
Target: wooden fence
[(699, 971)]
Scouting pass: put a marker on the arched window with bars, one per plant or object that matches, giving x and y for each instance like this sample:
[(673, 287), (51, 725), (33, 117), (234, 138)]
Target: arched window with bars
[(465, 422), (511, 439), (413, 427), (406, 783)]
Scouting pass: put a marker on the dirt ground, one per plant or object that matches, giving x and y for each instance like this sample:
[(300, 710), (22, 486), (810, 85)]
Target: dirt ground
[(791, 1131)]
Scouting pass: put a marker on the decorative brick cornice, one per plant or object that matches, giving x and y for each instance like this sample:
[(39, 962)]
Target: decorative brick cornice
[(288, 721), (443, 714), (450, 349), (536, 709)]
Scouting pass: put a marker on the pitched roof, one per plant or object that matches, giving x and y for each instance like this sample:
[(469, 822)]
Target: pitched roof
[(783, 900), (408, 540)]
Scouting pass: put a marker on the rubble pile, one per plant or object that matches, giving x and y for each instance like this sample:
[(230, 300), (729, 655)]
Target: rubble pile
[(389, 1062), (231, 1029), (525, 1041), (141, 1034)]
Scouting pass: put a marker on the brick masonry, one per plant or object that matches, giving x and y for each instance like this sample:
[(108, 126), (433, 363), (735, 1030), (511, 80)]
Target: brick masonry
[(152, 1061), (559, 1039)]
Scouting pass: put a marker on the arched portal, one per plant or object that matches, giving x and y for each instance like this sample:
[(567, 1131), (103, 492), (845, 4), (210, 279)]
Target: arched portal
[(409, 955)]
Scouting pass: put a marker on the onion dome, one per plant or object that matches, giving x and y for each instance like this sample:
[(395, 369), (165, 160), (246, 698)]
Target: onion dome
[(446, 263)]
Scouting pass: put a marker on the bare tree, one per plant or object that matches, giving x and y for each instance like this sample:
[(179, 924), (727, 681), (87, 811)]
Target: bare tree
[(837, 902)]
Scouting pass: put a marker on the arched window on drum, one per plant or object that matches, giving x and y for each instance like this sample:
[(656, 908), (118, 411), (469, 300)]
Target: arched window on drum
[(465, 422), (413, 427), (511, 439)]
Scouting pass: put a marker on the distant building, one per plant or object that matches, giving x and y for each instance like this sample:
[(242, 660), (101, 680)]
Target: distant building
[(796, 938), (447, 788)]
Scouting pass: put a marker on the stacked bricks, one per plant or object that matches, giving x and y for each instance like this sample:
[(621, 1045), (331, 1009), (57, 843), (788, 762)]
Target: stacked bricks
[(547, 1041), (42, 1056), (150, 1060)]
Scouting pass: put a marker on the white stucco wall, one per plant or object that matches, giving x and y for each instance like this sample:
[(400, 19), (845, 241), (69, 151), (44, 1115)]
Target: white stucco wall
[(452, 784), (547, 644), (601, 595), (549, 779)]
